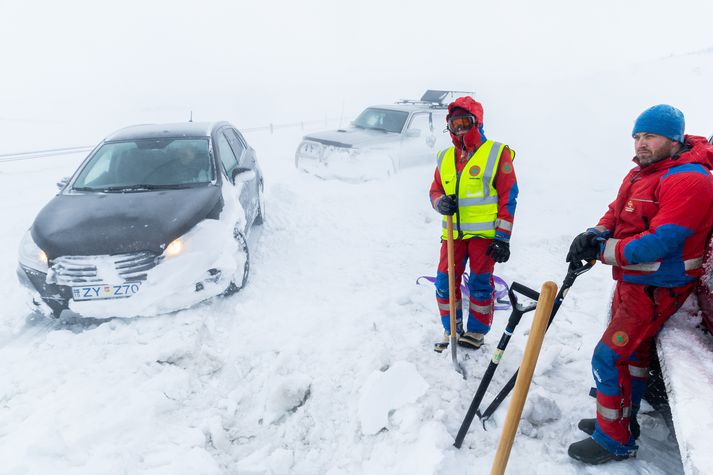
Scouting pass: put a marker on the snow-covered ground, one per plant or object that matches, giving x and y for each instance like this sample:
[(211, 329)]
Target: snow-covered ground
[(324, 362)]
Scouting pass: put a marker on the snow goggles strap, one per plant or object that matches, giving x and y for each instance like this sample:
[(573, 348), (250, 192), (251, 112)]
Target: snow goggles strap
[(461, 123)]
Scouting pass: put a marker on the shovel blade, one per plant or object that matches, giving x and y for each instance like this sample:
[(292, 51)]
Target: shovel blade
[(454, 355)]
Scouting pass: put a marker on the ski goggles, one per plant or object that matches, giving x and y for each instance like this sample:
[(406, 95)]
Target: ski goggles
[(461, 124)]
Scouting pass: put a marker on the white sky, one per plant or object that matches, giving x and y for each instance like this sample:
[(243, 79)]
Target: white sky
[(101, 65)]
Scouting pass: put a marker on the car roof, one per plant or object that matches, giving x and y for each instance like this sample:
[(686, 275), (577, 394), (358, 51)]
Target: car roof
[(178, 129), (408, 107)]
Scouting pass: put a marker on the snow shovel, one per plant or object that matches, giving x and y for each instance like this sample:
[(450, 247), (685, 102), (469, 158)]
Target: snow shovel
[(518, 310), (452, 296), (575, 270)]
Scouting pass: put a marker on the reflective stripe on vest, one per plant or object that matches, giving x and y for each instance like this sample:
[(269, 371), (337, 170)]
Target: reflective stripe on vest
[(476, 196)]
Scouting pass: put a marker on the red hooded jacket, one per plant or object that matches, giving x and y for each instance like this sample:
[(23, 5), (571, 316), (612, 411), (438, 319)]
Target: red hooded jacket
[(505, 180), (660, 222)]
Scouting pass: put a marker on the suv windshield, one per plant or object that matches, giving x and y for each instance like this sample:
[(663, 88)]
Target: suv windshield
[(382, 119), (147, 164)]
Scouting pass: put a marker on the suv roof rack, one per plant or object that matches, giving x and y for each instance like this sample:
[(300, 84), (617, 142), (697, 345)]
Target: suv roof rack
[(435, 99)]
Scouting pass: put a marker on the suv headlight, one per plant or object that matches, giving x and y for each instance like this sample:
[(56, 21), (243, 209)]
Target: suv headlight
[(31, 255)]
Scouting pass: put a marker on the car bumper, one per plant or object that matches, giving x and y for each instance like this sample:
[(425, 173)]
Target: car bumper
[(48, 299), (173, 284), (350, 169)]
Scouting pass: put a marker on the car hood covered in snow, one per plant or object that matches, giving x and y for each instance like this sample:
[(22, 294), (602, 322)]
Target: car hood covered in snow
[(353, 137), (115, 223)]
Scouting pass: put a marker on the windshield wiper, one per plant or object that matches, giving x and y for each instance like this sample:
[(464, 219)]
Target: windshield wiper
[(147, 187), (380, 128)]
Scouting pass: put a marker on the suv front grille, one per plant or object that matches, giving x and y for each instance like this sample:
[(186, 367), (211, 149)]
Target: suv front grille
[(82, 270)]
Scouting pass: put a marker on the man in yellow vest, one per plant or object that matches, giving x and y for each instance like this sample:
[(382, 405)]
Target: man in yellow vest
[(475, 182)]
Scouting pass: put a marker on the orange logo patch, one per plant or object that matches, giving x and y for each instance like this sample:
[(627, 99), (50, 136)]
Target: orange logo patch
[(474, 170), (629, 206), (620, 339), (506, 168)]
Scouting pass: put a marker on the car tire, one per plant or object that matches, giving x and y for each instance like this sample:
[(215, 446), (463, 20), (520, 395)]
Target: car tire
[(49, 308), (234, 286), (260, 216), (389, 167)]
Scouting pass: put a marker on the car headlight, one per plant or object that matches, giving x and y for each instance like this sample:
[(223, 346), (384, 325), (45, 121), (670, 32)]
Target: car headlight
[(31, 255), (175, 248), (310, 149), (201, 237)]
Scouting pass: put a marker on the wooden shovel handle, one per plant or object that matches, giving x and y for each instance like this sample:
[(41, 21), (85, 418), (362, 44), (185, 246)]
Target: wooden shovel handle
[(524, 377), (451, 275)]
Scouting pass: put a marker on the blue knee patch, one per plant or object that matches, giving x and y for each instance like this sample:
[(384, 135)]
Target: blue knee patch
[(480, 287), (604, 370), (441, 285)]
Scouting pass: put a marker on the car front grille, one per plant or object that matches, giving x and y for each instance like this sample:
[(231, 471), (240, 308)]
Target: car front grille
[(82, 270)]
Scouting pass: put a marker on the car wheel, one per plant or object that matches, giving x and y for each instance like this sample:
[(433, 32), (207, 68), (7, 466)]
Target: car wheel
[(260, 217), (235, 286), (389, 167), (48, 308)]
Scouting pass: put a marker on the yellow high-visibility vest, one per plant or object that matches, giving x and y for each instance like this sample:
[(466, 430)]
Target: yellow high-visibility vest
[(476, 196)]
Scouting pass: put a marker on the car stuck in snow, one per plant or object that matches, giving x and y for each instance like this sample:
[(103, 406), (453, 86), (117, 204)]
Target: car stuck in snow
[(382, 140), (155, 219)]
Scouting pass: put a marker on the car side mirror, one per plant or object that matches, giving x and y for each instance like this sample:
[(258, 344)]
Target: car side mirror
[(413, 133), (243, 175), (63, 182)]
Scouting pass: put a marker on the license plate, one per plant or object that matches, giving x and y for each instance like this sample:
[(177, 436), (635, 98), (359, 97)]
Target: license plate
[(105, 291)]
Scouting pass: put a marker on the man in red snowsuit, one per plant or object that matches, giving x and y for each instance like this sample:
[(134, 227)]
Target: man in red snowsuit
[(653, 235), (483, 195)]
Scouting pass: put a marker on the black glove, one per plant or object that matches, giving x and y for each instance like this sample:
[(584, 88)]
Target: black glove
[(584, 247), (499, 251), (446, 205)]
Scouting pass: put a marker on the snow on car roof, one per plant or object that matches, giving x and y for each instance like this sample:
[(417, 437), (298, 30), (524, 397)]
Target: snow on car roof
[(178, 129), (407, 107)]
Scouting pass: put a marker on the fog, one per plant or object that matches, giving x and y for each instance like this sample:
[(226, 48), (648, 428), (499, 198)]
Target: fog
[(74, 71)]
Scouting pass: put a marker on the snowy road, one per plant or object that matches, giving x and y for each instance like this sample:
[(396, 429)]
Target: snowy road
[(295, 374)]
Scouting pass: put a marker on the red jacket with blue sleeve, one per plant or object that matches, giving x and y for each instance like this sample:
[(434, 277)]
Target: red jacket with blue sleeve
[(660, 223)]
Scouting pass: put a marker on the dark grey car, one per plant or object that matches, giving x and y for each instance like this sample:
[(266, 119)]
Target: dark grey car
[(155, 219)]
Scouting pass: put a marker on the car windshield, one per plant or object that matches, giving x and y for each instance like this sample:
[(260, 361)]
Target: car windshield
[(147, 164), (382, 119)]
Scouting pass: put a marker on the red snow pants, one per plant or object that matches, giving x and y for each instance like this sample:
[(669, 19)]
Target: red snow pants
[(480, 284), (621, 358)]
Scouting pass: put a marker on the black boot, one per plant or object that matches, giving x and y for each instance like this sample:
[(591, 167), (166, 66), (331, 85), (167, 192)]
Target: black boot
[(587, 426), (590, 452), (471, 340)]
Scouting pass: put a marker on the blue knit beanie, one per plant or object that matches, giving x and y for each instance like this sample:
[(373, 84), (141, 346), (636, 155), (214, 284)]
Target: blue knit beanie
[(662, 120)]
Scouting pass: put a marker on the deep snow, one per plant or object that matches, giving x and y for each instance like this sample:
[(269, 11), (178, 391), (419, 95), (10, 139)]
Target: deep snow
[(324, 362)]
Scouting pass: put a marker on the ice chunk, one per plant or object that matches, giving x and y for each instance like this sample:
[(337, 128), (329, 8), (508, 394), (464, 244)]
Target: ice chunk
[(384, 392)]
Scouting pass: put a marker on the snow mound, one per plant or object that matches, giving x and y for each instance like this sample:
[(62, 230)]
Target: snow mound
[(384, 392), (685, 352)]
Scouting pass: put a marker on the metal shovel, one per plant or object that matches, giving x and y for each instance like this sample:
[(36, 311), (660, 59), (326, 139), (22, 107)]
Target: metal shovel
[(452, 296)]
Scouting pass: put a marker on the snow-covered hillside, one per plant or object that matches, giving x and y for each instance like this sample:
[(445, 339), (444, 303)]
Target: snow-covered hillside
[(324, 362)]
